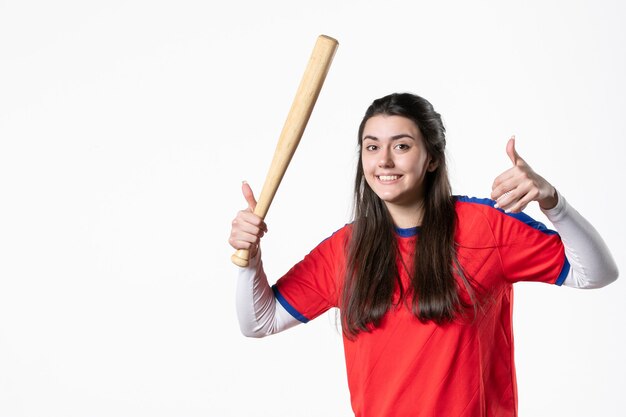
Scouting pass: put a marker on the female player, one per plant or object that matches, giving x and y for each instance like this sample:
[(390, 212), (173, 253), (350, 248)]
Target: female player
[(423, 279)]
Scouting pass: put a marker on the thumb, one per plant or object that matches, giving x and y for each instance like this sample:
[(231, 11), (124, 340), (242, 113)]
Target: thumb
[(248, 195), (511, 152)]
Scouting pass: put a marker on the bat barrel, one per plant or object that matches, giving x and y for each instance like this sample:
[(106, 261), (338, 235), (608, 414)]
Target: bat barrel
[(297, 119)]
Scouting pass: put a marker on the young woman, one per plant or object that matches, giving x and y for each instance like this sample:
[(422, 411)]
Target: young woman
[(423, 279)]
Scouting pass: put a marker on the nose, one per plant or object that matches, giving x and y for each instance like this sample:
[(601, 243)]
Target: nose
[(385, 160)]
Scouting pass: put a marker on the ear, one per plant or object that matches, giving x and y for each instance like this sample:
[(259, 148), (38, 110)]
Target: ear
[(432, 165)]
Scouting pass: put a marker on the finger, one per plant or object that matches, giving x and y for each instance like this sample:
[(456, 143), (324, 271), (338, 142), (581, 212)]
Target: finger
[(511, 152), (503, 182), (243, 235), (518, 205), (506, 199), (248, 195), (243, 241), (245, 229), (517, 200), (506, 182), (508, 193), (248, 220)]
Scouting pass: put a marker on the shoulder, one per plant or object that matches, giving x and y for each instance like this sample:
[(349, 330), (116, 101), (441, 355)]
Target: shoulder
[(468, 208), (340, 233), (474, 203), (475, 207), (336, 240)]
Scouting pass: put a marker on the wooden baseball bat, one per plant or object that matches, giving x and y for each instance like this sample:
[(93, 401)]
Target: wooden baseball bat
[(298, 116)]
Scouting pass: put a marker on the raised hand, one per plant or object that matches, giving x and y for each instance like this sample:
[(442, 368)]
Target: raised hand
[(519, 185), (247, 228)]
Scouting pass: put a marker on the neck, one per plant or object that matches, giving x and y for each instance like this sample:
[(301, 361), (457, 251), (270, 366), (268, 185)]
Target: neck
[(405, 217)]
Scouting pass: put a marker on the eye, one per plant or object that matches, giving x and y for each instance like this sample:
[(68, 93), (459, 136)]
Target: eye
[(402, 146), (371, 148)]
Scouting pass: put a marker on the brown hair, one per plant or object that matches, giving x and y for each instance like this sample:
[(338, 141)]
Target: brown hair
[(372, 274)]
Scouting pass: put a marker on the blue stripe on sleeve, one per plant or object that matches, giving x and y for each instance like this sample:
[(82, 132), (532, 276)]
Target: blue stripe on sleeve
[(283, 302), (523, 217), (563, 274)]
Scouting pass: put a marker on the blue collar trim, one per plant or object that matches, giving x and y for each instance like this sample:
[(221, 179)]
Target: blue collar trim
[(410, 232)]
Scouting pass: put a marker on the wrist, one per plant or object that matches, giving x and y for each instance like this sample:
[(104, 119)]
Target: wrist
[(551, 201)]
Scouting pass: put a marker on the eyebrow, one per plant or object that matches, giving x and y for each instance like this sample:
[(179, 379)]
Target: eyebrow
[(395, 137)]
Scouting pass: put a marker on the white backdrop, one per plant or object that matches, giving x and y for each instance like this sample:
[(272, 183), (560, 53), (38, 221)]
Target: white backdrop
[(126, 128)]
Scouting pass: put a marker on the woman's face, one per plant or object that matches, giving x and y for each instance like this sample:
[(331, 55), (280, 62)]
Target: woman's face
[(395, 160)]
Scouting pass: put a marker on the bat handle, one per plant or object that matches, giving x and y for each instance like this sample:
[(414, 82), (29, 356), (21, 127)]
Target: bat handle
[(241, 258)]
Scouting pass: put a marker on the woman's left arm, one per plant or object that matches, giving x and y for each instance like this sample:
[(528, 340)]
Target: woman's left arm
[(592, 265)]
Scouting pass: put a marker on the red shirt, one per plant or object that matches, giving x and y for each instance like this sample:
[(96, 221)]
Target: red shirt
[(408, 368)]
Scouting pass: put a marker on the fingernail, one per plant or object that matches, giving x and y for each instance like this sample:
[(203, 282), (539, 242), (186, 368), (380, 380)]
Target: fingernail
[(496, 205)]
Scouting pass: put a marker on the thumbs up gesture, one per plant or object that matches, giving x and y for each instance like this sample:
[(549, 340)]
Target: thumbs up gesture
[(247, 228), (519, 185)]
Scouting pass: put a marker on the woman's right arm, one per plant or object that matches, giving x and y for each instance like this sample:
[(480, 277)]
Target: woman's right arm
[(258, 311)]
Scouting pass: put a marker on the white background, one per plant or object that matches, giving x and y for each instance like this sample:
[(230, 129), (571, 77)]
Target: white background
[(126, 128)]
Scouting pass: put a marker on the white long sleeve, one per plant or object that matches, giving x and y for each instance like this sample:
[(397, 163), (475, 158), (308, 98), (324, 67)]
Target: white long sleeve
[(592, 265), (258, 311)]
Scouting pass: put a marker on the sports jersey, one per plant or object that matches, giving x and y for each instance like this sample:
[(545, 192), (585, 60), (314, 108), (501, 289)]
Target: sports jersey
[(464, 368)]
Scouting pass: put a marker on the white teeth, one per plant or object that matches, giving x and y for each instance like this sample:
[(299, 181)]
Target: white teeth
[(388, 177)]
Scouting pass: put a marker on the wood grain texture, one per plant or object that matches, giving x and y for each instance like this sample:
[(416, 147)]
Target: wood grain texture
[(297, 119)]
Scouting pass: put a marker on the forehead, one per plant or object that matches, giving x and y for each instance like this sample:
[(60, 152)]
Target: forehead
[(383, 126)]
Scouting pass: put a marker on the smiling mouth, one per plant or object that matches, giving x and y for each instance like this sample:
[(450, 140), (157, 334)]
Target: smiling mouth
[(387, 178)]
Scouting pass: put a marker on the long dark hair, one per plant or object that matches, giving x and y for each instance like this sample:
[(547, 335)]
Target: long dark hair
[(372, 274)]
